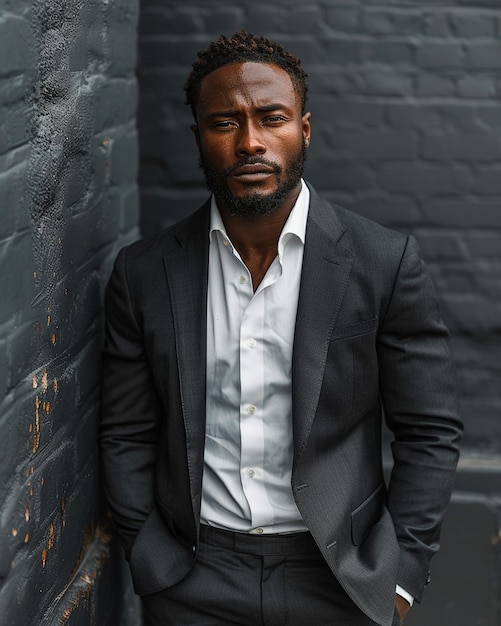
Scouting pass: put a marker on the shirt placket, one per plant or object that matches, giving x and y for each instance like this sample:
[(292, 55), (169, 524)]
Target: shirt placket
[(252, 409)]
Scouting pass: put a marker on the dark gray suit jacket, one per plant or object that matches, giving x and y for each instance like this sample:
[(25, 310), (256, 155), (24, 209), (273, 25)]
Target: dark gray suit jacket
[(368, 337)]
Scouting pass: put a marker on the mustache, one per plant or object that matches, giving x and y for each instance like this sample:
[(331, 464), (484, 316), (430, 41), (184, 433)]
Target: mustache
[(252, 161)]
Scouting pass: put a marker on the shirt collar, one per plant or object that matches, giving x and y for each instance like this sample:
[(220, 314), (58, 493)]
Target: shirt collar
[(294, 226)]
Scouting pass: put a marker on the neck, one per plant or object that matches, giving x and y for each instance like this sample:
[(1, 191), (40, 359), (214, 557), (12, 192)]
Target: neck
[(256, 236), (257, 231)]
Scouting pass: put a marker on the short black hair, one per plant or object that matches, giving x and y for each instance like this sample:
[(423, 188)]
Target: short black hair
[(243, 47)]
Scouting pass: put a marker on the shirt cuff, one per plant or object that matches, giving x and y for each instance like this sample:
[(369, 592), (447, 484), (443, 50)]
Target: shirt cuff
[(405, 595)]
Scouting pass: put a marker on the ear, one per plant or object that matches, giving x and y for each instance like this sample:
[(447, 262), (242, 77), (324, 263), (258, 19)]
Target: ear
[(196, 132), (306, 128)]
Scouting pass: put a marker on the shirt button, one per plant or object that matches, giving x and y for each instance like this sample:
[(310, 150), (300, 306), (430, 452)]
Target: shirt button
[(251, 409), (259, 531), (252, 343), (241, 279), (226, 242), (251, 472)]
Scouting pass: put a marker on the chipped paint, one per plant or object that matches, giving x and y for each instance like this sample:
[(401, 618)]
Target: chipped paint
[(36, 433), (53, 339), (93, 553), (14, 532), (52, 537), (45, 381), (44, 557)]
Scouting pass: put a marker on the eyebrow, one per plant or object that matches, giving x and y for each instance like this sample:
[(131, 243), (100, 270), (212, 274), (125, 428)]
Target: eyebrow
[(272, 107), (267, 108), (228, 113)]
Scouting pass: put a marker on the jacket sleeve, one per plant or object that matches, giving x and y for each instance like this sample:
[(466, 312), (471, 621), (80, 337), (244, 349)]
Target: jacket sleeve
[(418, 390), (130, 411)]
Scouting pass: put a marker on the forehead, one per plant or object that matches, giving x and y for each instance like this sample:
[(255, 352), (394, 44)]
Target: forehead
[(247, 83)]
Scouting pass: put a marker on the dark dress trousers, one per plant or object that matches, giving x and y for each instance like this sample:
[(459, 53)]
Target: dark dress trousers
[(368, 342)]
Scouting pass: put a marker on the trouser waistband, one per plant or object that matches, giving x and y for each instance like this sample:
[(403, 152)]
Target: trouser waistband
[(262, 545)]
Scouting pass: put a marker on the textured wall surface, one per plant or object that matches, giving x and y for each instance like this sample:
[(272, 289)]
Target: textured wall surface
[(406, 122), (68, 200), (406, 129)]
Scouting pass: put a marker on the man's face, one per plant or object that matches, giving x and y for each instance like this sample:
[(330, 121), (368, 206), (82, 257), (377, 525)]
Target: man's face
[(252, 137)]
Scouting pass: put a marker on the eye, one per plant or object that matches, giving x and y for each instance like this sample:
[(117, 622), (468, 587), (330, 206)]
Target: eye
[(224, 125), (274, 119)]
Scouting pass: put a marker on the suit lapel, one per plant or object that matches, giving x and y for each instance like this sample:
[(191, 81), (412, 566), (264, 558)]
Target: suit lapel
[(186, 266), (326, 269)]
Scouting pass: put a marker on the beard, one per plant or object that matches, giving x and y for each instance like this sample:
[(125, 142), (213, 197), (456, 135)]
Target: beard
[(255, 203)]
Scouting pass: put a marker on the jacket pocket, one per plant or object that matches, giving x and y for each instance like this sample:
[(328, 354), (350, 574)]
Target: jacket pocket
[(355, 330), (366, 515)]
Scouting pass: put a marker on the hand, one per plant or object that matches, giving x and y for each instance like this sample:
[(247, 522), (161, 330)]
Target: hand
[(402, 607)]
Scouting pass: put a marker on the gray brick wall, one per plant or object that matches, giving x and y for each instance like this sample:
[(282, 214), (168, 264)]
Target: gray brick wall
[(406, 125), (68, 201), (406, 120)]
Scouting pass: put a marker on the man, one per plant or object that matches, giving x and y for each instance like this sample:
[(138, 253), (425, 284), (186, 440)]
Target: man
[(250, 352)]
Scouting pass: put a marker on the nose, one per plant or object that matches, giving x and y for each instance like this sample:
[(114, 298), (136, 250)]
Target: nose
[(250, 140)]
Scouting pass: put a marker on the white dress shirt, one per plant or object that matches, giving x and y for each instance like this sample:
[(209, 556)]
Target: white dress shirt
[(248, 441)]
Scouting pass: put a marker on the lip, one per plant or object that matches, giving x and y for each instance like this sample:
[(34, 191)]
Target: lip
[(254, 171)]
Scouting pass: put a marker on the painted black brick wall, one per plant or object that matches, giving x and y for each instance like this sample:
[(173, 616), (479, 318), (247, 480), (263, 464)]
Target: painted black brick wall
[(68, 201), (406, 123), (406, 129)]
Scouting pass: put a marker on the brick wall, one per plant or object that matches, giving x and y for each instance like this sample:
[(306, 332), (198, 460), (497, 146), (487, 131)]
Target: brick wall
[(68, 201), (406, 122), (406, 129)]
